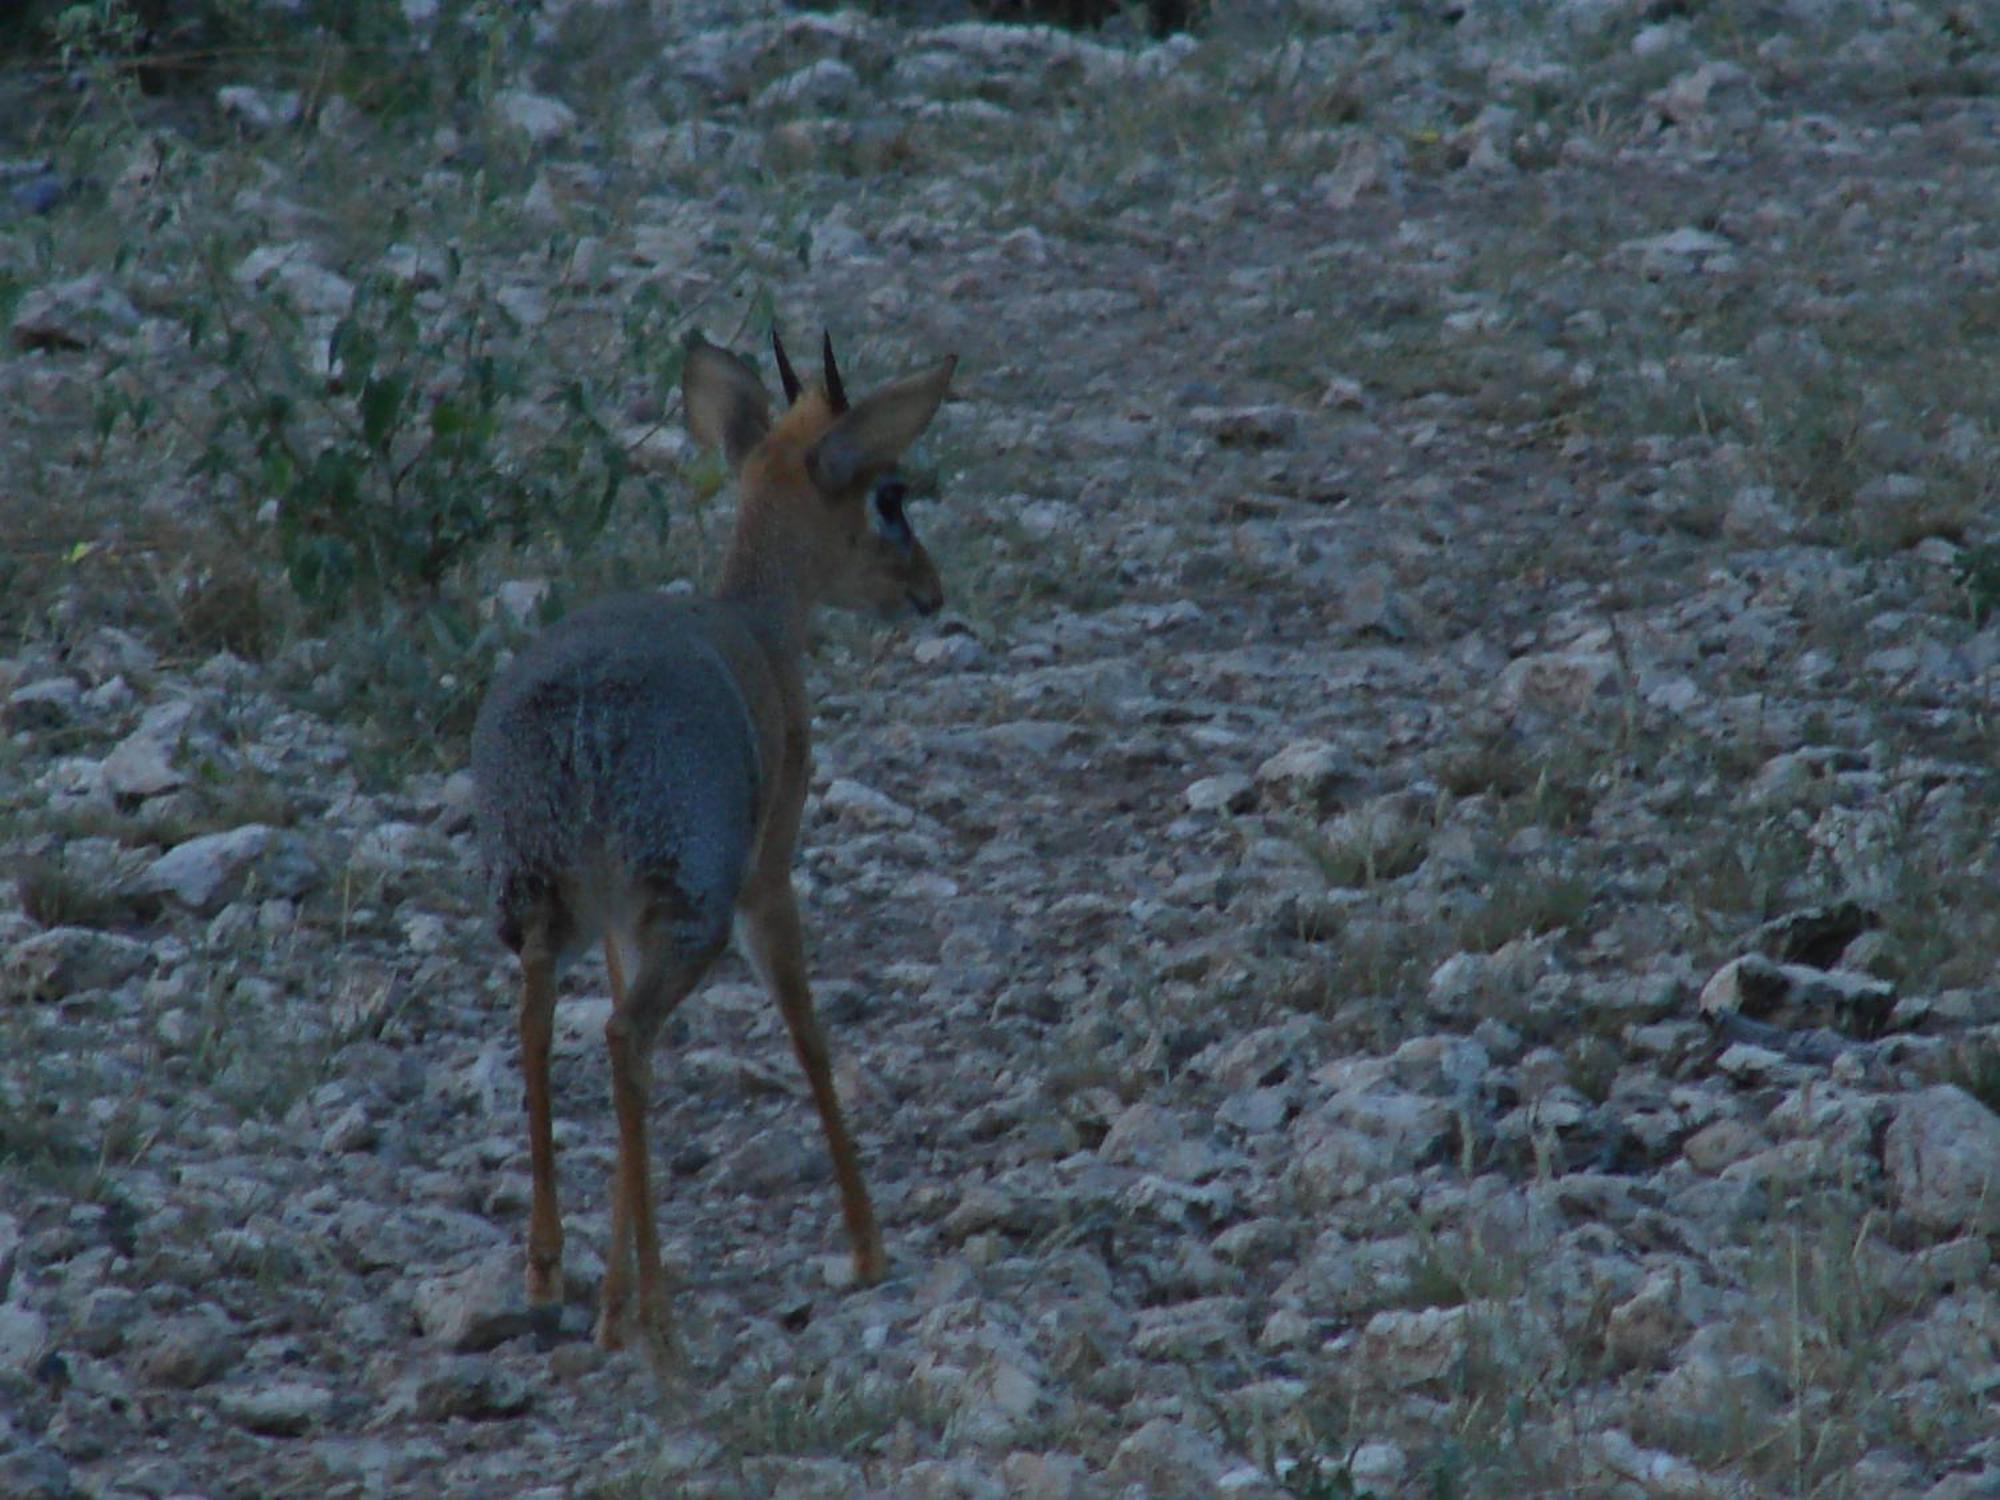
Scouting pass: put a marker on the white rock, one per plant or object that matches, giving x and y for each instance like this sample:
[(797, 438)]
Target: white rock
[(258, 109), (1569, 679), (477, 1308), (1230, 792), (1308, 770), (544, 120), (142, 765), (1942, 1154), (77, 314), (352, 1130), (207, 873), (293, 271), (283, 1409), (188, 1350), (1643, 1332), (520, 599), (852, 802), (24, 1334), (45, 704), (1405, 1347), (414, 266), (955, 652), (828, 84), (1378, 1468), (65, 960), (1045, 1476), (1169, 1457)]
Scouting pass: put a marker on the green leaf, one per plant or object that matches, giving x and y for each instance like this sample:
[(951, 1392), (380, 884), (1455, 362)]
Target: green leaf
[(381, 409)]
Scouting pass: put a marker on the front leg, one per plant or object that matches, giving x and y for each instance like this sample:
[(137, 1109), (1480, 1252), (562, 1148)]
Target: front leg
[(771, 937)]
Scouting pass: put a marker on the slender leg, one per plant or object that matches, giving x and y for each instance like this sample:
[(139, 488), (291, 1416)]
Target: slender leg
[(617, 1288), (665, 979), (775, 945), (537, 1018)]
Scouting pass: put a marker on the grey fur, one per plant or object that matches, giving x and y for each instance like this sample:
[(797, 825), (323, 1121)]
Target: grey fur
[(617, 753)]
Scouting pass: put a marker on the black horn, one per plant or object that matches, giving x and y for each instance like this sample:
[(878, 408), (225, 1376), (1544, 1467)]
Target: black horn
[(836, 394), (787, 376)]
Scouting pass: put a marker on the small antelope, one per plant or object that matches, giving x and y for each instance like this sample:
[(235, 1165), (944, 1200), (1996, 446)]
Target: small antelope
[(641, 769)]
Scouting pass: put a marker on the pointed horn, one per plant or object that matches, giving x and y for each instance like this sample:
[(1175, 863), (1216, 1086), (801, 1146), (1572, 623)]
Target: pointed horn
[(786, 374), (836, 394)]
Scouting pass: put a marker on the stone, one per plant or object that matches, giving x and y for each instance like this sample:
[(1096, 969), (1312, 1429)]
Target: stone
[(24, 1337), (207, 873), (1721, 1144), (1377, 1468), (1046, 1476), (1942, 1156), (1799, 995), (48, 703), (292, 270), (469, 1387), (543, 119), (1168, 1458), (852, 802), (103, 1318), (956, 652), (1570, 679), (353, 1129), (285, 1408), (1247, 426), (186, 1351), (795, 1478), (1409, 1347), (29, 1471), (1643, 1332), (258, 109), (82, 313), (828, 84), (1226, 793), (65, 961), (1364, 1134), (141, 766), (477, 1308), (1307, 772)]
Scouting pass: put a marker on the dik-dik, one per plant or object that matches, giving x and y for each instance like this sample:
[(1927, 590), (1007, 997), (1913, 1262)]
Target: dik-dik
[(641, 769)]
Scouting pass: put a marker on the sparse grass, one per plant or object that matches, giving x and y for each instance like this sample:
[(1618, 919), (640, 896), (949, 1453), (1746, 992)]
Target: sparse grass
[(57, 895), (1530, 903), (1365, 850)]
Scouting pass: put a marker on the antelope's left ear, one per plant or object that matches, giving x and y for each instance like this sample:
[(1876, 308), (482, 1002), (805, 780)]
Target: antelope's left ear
[(875, 431), (724, 401)]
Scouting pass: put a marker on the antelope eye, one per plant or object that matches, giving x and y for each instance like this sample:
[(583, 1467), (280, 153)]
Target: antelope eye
[(888, 502), (889, 497)]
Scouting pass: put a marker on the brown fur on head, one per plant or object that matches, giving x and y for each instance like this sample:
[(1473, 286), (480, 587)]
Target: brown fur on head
[(820, 504)]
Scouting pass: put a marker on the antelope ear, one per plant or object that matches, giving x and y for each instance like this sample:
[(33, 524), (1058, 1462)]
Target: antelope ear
[(876, 430), (724, 401)]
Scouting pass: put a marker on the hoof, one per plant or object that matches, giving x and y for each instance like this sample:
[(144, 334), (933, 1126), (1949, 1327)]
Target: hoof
[(870, 1264)]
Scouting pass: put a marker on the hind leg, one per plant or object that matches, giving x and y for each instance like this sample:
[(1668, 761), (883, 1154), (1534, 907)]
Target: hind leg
[(669, 968), (537, 1026)]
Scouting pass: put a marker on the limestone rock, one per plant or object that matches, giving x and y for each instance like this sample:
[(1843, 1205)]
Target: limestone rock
[(1942, 1155), (78, 314), (284, 1408), (208, 872), (475, 1309), (65, 960)]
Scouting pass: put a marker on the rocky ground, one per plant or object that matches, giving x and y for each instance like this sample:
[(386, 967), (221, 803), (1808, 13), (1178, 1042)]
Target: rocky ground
[(1423, 925)]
